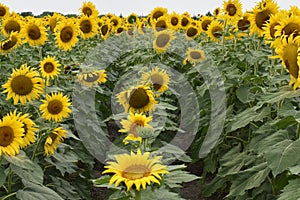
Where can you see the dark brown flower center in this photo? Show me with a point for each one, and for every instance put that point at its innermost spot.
(205, 24)
(195, 55)
(157, 14)
(132, 19)
(21, 85)
(104, 29)
(231, 9)
(184, 21)
(53, 137)
(291, 28)
(25, 130)
(34, 32)
(217, 31)
(162, 40)
(243, 24)
(290, 59)
(9, 43)
(191, 31)
(157, 81)
(160, 25)
(87, 11)
(12, 26)
(55, 107)
(115, 22)
(66, 34)
(2, 11)
(138, 98)
(273, 30)
(86, 26)
(6, 136)
(261, 18)
(48, 67)
(174, 21)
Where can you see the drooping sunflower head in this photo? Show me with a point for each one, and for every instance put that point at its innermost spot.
(29, 127)
(289, 53)
(157, 13)
(242, 25)
(53, 20)
(132, 124)
(271, 27)
(92, 78)
(11, 133)
(24, 85)
(162, 40)
(192, 31)
(205, 22)
(66, 32)
(288, 25)
(174, 20)
(11, 24)
(49, 67)
(132, 18)
(135, 169)
(261, 13)
(34, 32)
(195, 56)
(12, 42)
(55, 107)
(215, 31)
(4, 11)
(159, 79)
(55, 138)
(89, 9)
(232, 9)
(138, 99)
(88, 26)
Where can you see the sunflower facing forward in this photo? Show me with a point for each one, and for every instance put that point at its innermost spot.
(132, 124)
(55, 107)
(162, 40)
(138, 99)
(135, 169)
(195, 56)
(24, 85)
(159, 79)
(34, 32)
(49, 67)
(55, 138)
(4, 11)
(89, 9)
(12, 23)
(11, 133)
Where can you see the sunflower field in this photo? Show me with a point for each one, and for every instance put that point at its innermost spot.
(166, 106)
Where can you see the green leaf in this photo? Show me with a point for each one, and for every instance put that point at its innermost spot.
(159, 194)
(2, 176)
(242, 94)
(283, 155)
(283, 93)
(291, 191)
(34, 174)
(212, 187)
(177, 177)
(21, 160)
(103, 180)
(36, 191)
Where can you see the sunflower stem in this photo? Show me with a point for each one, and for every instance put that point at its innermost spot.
(298, 132)
(10, 173)
(36, 147)
(138, 195)
(8, 196)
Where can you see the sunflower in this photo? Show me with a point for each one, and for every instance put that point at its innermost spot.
(34, 32)
(92, 78)
(192, 31)
(261, 13)
(287, 26)
(105, 31)
(138, 99)
(215, 30)
(88, 26)
(157, 13)
(11, 24)
(11, 133)
(53, 20)
(159, 79)
(49, 67)
(55, 138)
(29, 127)
(66, 33)
(115, 22)
(132, 18)
(135, 169)
(217, 11)
(195, 56)
(185, 20)
(232, 10)
(89, 9)
(55, 107)
(10, 43)
(270, 29)
(289, 53)
(160, 24)
(174, 20)
(162, 40)
(132, 124)
(24, 85)
(4, 11)
(205, 22)
(242, 25)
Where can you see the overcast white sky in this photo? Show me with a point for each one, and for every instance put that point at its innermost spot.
(125, 7)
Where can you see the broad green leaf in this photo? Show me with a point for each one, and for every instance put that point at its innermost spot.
(291, 191)
(177, 177)
(159, 194)
(216, 184)
(283, 93)
(34, 174)
(242, 94)
(2, 176)
(283, 156)
(21, 160)
(36, 191)
(103, 180)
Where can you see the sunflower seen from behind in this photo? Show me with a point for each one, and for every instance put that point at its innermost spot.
(136, 169)
(34, 32)
(138, 99)
(49, 67)
(55, 107)
(29, 127)
(54, 138)
(66, 34)
(132, 124)
(11, 133)
(24, 85)
(158, 78)
(162, 40)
